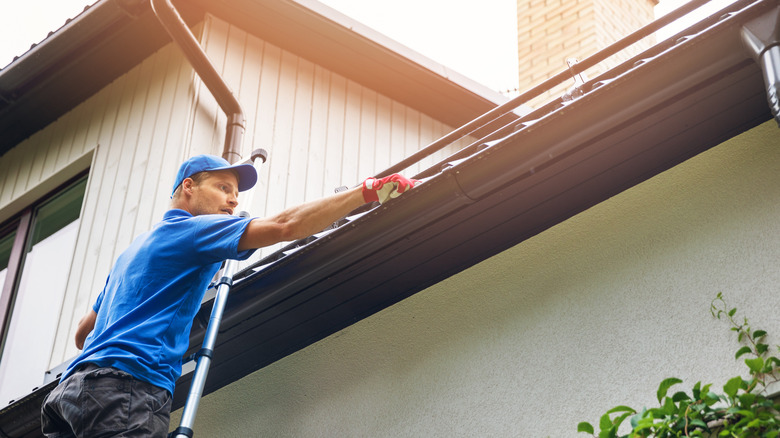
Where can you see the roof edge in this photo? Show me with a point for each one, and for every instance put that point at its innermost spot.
(61, 43)
(394, 46)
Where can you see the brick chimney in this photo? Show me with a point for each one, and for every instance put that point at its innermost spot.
(550, 31)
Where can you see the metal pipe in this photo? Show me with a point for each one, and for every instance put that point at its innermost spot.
(575, 69)
(762, 39)
(171, 20)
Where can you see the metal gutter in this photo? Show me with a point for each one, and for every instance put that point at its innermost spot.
(506, 108)
(236, 122)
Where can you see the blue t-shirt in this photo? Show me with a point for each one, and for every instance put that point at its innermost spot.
(154, 290)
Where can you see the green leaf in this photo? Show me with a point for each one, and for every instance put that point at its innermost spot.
(732, 386)
(746, 413)
(759, 334)
(698, 407)
(680, 396)
(635, 419)
(585, 427)
(741, 351)
(755, 364)
(664, 387)
(608, 433)
(762, 348)
(732, 311)
(619, 420)
(711, 398)
(605, 422)
(747, 399)
(621, 409)
(644, 422)
(699, 423)
(697, 390)
(656, 413)
(669, 407)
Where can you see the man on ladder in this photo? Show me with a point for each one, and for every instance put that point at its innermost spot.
(135, 335)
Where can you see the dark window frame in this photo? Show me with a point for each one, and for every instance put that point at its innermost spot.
(22, 222)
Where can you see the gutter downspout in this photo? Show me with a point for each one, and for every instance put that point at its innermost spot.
(762, 39)
(171, 20)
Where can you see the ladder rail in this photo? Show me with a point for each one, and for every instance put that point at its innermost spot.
(204, 355)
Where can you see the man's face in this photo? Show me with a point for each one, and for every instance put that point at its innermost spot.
(217, 193)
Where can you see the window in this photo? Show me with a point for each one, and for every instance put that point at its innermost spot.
(35, 259)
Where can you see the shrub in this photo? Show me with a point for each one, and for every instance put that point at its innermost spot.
(743, 409)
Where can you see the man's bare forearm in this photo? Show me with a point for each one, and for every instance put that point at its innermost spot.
(86, 324)
(300, 221)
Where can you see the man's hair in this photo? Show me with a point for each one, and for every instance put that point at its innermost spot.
(196, 178)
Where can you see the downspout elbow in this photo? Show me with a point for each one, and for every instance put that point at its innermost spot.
(762, 39)
(171, 20)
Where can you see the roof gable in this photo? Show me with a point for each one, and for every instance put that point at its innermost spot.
(111, 37)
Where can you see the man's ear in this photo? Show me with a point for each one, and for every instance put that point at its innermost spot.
(186, 185)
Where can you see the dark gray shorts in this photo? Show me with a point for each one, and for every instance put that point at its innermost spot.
(105, 402)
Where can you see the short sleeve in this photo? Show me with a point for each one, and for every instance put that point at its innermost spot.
(216, 237)
(99, 301)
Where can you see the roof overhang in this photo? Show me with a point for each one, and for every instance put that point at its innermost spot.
(82, 57)
(113, 36)
(654, 114)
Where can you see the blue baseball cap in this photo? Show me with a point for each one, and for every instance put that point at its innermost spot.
(247, 175)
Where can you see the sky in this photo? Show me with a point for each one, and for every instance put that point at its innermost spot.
(454, 33)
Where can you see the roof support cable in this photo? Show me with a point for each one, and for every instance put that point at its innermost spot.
(762, 39)
(171, 20)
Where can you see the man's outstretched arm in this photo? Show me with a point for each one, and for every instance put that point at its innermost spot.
(312, 217)
(300, 221)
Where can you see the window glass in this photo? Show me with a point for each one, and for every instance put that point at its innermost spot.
(29, 337)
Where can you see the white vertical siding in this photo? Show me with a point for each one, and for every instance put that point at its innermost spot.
(321, 129)
(35, 167)
(138, 126)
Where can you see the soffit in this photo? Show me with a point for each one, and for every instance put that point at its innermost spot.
(113, 36)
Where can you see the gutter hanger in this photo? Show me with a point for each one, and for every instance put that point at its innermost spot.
(171, 20)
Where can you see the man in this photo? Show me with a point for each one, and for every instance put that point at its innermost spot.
(135, 335)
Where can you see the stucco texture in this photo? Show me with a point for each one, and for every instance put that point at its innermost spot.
(590, 314)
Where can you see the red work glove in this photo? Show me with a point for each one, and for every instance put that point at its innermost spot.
(382, 189)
